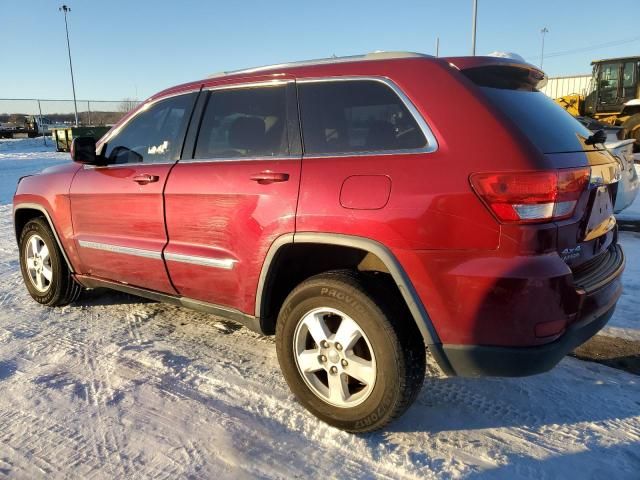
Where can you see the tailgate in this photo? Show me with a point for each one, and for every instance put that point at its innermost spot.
(595, 232)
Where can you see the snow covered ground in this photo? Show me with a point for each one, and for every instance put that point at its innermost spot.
(21, 157)
(118, 387)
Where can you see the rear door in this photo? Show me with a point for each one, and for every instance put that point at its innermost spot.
(227, 204)
(117, 209)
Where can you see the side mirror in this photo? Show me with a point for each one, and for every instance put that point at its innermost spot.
(83, 150)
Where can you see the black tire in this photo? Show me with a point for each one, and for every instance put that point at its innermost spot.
(399, 351)
(62, 289)
(631, 128)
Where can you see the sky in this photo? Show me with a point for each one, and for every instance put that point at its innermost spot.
(132, 49)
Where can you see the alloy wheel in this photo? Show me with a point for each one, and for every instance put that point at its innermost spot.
(334, 357)
(38, 263)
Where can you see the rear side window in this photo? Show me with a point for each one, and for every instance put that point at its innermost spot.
(154, 135)
(355, 116)
(248, 122)
(546, 123)
(543, 121)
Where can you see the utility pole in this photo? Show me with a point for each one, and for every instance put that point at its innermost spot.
(41, 126)
(474, 21)
(544, 31)
(66, 10)
(437, 46)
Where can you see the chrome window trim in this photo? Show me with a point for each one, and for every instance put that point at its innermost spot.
(238, 159)
(106, 247)
(129, 165)
(239, 86)
(432, 142)
(223, 263)
(143, 108)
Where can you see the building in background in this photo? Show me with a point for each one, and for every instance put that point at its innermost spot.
(560, 86)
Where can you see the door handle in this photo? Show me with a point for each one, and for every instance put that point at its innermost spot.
(145, 178)
(266, 177)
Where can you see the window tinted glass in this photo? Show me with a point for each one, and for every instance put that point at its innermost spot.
(248, 122)
(355, 116)
(546, 123)
(154, 135)
(609, 82)
(629, 81)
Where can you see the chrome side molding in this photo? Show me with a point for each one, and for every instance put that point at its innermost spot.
(224, 263)
(138, 252)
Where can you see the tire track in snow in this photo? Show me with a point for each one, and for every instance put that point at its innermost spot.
(175, 397)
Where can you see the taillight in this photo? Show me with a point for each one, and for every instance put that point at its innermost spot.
(531, 197)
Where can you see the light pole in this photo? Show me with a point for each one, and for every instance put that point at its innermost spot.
(65, 10)
(474, 21)
(544, 31)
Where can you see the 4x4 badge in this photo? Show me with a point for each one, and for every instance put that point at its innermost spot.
(571, 253)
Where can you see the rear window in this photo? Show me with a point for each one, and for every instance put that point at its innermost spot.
(543, 121)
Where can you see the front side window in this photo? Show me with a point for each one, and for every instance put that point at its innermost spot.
(247, 122)
(353, 116)
(152, 136)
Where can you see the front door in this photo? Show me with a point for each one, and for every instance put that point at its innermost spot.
(226, 205)
(117, 209)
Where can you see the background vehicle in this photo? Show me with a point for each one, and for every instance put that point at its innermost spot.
(31, 126)
(614, 96)
(317, 201)
(629, 183)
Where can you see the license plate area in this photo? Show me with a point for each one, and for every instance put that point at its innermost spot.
(601, 218)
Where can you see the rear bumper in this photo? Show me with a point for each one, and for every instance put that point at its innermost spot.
(597, 306)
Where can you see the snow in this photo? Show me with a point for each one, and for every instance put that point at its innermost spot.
(625, 322)
(19, 157)
(115, 386)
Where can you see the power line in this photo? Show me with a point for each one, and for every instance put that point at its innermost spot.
(613, 43)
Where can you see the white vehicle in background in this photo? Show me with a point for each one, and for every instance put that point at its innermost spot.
(629, 183)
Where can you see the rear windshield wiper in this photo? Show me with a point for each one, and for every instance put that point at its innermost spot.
(599, 136)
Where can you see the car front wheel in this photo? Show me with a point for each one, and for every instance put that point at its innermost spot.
(349, 354)
(43, 267)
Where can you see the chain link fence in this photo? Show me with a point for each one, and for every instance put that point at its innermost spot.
(13, 111)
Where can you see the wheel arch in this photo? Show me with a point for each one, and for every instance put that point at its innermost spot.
(374, 252)
(24, 212)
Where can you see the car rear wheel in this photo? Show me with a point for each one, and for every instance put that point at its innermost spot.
(43, 267)
(349, 356)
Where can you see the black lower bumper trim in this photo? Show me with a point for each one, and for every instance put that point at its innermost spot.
(482, 361)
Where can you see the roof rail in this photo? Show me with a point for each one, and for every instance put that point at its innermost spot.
(377, 55)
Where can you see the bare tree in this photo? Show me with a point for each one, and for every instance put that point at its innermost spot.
(127, 105)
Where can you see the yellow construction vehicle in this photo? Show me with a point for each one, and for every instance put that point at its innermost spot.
(613, 96)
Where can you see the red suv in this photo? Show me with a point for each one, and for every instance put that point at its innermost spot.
(360, 208)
